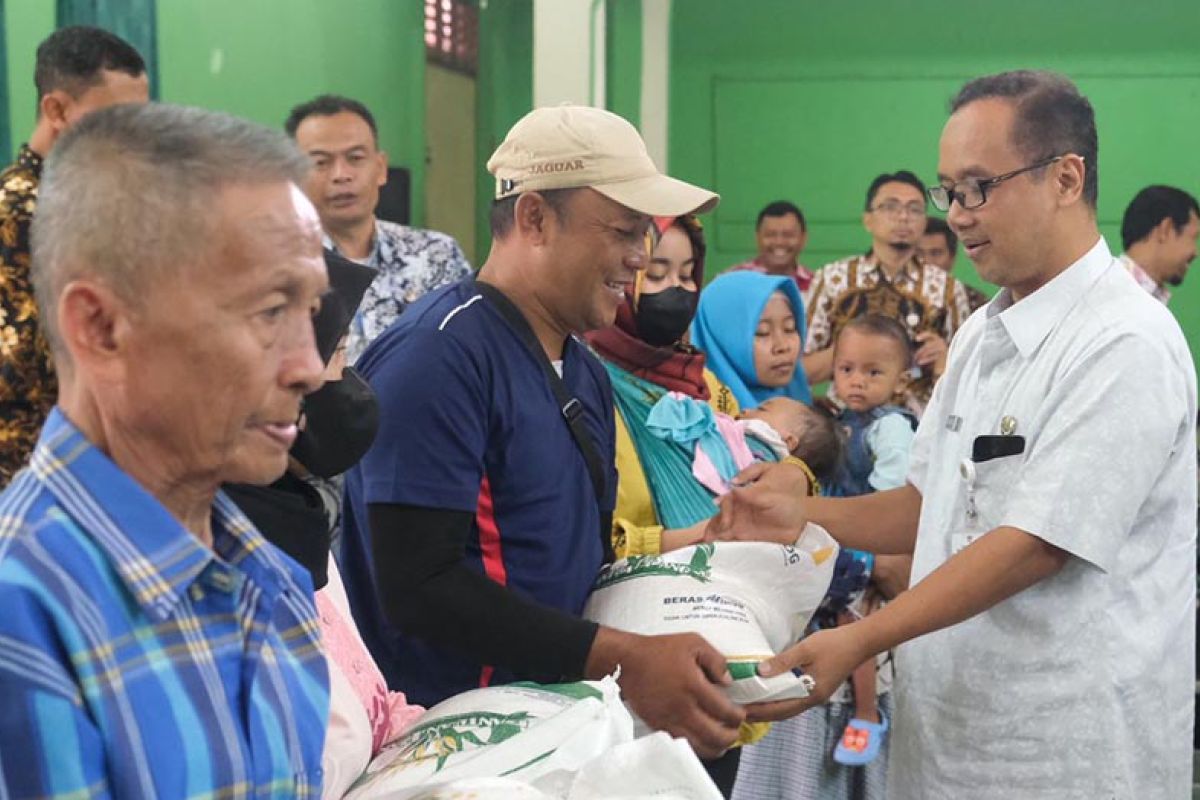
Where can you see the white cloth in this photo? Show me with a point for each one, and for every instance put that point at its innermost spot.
(767, 435)
(1081, 686)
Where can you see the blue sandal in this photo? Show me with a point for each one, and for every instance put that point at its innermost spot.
(861, 741)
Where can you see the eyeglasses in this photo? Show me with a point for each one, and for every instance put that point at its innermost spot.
(972, 192)
(894, 208)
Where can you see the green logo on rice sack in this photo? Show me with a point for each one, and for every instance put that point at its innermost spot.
(699, 568)
(448, 736)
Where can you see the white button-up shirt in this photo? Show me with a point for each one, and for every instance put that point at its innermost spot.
(1080, 686)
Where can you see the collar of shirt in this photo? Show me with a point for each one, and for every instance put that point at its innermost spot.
(372, 258)
(30, 160)
(1029, 321)
(802, 273)
(912, 269)
(1143, 278)
(156, 557)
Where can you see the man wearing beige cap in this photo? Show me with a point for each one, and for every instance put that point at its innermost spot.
(477, 523)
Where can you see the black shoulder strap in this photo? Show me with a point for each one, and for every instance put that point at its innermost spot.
(572, 409)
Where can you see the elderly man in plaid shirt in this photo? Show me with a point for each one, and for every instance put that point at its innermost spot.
(152, 643)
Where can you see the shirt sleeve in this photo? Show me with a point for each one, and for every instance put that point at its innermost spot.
(51, 747)
(889, 439)
(1109, 427)
(430, 447)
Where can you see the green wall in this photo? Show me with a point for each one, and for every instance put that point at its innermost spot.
(26, 23)
(808, 100)
(258, 58)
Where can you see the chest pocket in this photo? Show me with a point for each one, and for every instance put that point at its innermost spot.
(993, 485)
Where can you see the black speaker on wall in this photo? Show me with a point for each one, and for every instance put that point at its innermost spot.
(395, 202)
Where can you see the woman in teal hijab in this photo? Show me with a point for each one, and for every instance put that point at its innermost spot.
(750, 326)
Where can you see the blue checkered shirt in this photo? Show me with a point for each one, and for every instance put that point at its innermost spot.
(134, 661)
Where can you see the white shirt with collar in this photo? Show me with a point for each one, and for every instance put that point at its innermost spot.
(1082, 685)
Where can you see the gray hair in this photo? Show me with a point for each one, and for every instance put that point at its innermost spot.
(129, 196)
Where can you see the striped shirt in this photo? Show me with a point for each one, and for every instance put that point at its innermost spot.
(136, 662)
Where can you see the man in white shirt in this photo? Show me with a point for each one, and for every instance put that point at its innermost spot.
(1159, 233)
(1048, 639)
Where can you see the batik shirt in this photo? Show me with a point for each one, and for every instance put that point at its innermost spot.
(27, 382)
(411, 262)
(135, 661)
(920, 297)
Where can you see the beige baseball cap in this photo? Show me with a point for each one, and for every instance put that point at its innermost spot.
(567, 147)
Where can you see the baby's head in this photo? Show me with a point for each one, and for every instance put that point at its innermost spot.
(871, 359)
(809, 433)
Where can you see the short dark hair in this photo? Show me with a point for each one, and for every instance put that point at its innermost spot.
(938, 225)
(821, 443)
(879, 325)
(903, 176)
(326, 106)
(781, 208)
(1151, 206)
(72, 58)
(1052, 118)
(500, 218)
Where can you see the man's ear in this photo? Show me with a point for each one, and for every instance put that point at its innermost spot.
(1069, 177)
(383, 166)
(53, 108)
(532, 217)
(1164, 230)
(93, 323)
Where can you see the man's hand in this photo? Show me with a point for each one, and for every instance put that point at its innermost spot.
(673, 683)
(932, 352)
(766, 504)
(827, 656)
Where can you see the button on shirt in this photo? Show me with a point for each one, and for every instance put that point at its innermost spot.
(1080, 686)
(136, 662)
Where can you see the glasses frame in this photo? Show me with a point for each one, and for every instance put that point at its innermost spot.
(952, 193)
(901, 210)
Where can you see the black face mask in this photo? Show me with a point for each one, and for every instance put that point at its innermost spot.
(341, 419)
(663, 318)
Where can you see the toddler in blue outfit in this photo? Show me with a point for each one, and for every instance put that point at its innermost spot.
(871, 361)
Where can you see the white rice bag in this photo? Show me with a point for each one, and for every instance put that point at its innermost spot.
(523, 732)
(750, 600)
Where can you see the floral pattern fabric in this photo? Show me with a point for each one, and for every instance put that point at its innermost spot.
(28, 386)
(411, 262)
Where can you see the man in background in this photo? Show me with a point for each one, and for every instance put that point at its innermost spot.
(1159, 232)
(781, 234)
(78, 70)
(340, 136)
(939, 247)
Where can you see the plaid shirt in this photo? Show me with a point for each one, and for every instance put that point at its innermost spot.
(135, 662)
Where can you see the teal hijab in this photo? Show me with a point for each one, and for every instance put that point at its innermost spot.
(728, 314)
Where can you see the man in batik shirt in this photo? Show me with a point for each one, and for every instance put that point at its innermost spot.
(342, 139)
(892, 281)
(79, 69)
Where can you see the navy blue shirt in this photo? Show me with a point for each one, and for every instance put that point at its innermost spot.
(469, 423)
